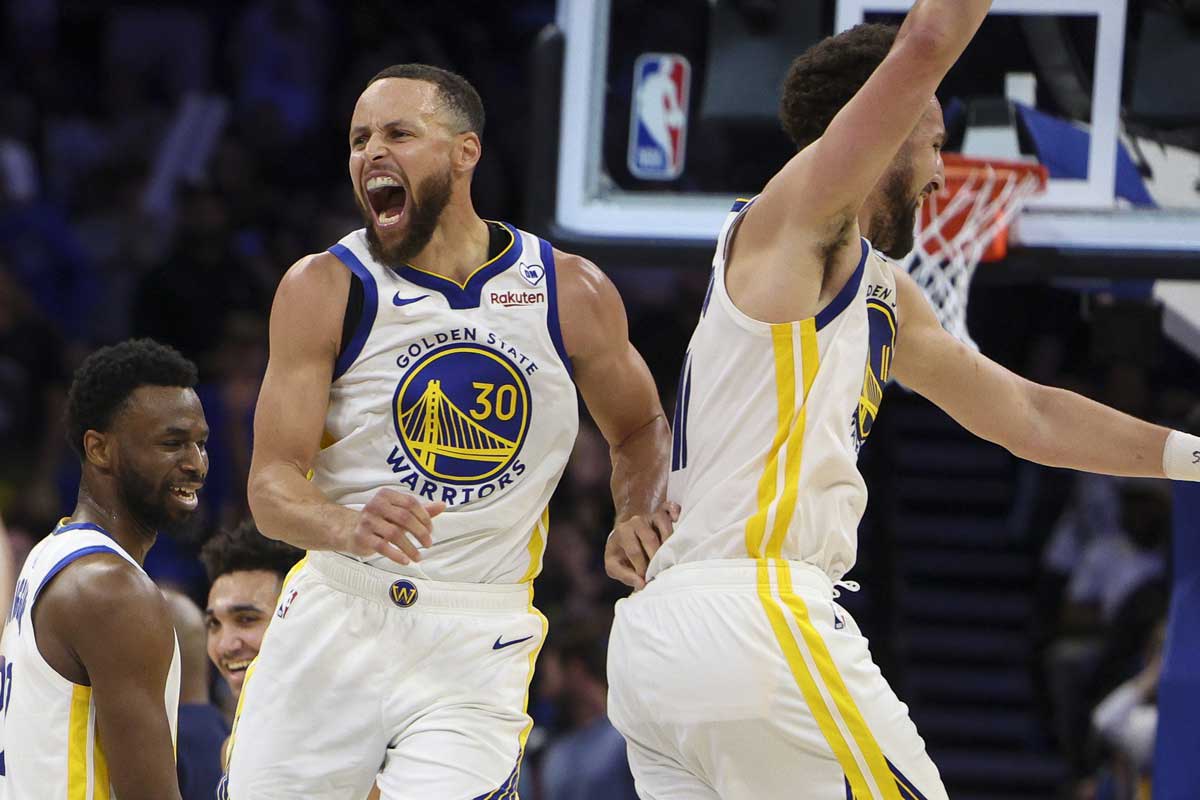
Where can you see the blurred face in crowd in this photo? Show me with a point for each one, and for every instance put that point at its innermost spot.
(240, 605)
(915, 173)
(406, 152)
(156, 450)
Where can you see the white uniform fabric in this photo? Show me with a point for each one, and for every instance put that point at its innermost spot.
(730, 679)
(734, 674)
(459, 393)
(779, 411)
(349, 683)
(47, 723)
(455, 393)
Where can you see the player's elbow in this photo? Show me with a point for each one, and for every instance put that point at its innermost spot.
(930, 42)
(1032, 438)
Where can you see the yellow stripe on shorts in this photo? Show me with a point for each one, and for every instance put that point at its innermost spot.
(827, 668)
(808, 686)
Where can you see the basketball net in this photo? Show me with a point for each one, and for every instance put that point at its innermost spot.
(966, 223)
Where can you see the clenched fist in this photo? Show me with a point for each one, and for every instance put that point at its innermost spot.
(390, 522)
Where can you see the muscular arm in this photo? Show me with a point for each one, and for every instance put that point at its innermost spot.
(616, 386)
(1038, 423)
(305, 334)
(110, 622)
(306, 330)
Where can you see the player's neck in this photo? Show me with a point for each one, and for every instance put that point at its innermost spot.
(99, 506)
(458, 246)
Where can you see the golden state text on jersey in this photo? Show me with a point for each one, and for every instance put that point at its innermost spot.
(459, 393)
(461, 413)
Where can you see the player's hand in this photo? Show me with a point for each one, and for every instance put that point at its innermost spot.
(634, 542)
(390, 522)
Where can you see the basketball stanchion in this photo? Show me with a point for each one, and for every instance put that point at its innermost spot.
(964, 224)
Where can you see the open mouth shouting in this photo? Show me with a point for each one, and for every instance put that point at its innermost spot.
(388, 199)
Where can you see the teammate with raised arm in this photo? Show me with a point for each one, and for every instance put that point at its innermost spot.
(425, 371)
(89, 662)
(734, 674)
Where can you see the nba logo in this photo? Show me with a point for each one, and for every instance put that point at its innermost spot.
(658, 123)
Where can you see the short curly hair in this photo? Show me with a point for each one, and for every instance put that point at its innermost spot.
(823, 79)
(245, 549)
(456, 91)
(106, 379)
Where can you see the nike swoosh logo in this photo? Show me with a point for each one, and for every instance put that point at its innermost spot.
(403, 301)
(499, 645)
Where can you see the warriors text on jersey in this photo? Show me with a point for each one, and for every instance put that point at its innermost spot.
(48, 744)
(459, 393)
(769, 422)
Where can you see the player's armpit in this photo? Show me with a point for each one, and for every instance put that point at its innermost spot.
(305, 336)
(616, 385)
(116, 622)
(1038, 423)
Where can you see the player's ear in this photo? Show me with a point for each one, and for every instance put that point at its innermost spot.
(97, 449)
(467, 151)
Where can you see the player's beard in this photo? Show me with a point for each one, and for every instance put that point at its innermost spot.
(892, 226)
(425, 207)
(148, 504)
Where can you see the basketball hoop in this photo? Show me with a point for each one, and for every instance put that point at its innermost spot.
(966, 223)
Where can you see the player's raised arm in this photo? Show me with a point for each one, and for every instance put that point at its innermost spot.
(111, 620)
(823, 187)
(1038, 423)
(621, 396)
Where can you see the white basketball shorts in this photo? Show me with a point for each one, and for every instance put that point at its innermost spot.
(740, 678)
(364, 673)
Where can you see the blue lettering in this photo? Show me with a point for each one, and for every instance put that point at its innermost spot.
(487, 490)
(396, 459)
(532, 368)
(410, 480)
(448, 495)
(467, 495)
(470, 334)
(456, 334)
(518, 468)
(505, 480)
(491, 338)
(427, 490)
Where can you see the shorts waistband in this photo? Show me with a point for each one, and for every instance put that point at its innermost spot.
(739, 572)
(404, 591)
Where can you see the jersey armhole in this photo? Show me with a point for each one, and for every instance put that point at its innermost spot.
(552, 317)
(351, 349)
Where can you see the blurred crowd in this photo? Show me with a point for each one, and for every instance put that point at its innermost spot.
(162, 164)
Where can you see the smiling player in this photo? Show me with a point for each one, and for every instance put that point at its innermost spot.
(90, 663)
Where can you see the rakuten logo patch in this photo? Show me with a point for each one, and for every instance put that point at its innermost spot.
(511, 299)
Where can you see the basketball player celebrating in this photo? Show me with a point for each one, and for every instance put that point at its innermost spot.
(425, 370)
(90, 662)
(734, 674)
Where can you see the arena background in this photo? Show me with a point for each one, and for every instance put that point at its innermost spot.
(162, 164)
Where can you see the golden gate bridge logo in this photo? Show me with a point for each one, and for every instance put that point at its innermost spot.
(462, 413)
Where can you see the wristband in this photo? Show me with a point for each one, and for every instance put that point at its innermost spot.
(1181, 457)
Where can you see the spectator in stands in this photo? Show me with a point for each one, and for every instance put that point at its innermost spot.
(1126, 721)
(33, 392)
(202, 727)
(588, 762)
(247, 571)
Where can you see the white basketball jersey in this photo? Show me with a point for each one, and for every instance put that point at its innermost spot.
(460, 393)
(770, 419)
(48, 744)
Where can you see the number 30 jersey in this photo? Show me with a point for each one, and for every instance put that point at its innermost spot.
(459, 393)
